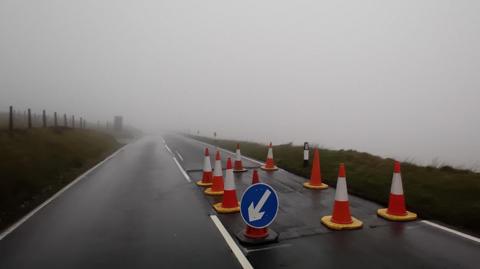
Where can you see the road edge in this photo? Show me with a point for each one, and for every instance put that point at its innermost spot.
(30, 214)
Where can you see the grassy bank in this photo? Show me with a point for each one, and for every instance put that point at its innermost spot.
(36, 163)
(446, 194)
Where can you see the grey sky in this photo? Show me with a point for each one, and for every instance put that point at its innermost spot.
(395, 78)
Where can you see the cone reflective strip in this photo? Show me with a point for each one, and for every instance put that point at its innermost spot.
(217, 174)
(396, 202)
(270, 152)
(238, 156)
(207, 168)
(229, 194)
(397, 187)
(341, 193)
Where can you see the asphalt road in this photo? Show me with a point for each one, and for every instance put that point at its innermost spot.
(135, 211)
(139, 210)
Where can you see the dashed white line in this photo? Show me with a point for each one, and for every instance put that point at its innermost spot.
(49, 200)
(179, 155)
(181, 170)
(169, 150)
(473, 238)
(235, 249)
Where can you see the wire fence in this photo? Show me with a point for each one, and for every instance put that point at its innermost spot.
(16, 119)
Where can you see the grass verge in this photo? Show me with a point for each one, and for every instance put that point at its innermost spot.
(36, 163)
(446, 194)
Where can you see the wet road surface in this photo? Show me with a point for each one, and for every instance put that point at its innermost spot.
(135, 211)
(139, 210)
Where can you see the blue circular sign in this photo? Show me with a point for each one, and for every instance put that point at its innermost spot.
(259, 205)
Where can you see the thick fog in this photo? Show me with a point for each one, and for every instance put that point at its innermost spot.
(394, 78)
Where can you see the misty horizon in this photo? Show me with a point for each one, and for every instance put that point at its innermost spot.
(398, 80)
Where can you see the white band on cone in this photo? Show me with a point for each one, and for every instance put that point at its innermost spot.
(305, 155)
(270, 153)
(397, 187)
(341, 193)
(229, 181)
(238, 156)
(218, 169)
(207, 166)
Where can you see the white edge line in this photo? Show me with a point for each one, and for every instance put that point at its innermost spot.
(473, 238)
(57, 194)
(180, 156)
(169, 150)
(181, 170)
(233, 246)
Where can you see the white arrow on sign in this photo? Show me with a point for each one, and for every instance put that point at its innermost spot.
(254, 211)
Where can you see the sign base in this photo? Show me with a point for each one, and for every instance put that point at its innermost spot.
(272, 237)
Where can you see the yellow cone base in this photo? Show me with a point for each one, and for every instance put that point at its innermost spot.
(327, 221)
(220, 209)
(409, 217)
(240, 171)
(315, 187)
(209, 191)
(204, 184)
(263, 167)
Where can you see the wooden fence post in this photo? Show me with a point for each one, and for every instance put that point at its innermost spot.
(10, 119)
(44, 119)
(29, 119)
(55, 122)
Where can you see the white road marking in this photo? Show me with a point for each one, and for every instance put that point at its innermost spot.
(179, 155)
(169, 150)
(57, 194)
(473, 238)
(163, 140)
(233, 246)
(181, 170)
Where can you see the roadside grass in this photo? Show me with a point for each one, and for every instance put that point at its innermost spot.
(36, 163)
(446, 194)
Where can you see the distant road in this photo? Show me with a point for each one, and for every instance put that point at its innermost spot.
(141, 209)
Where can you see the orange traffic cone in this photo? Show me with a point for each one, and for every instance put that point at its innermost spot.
(396, 210)
(238, 166)
(315, 176)
(230, 203)
(270, 163)
(255, 178)
(207, 171)
(217, 180)
(341, 218)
